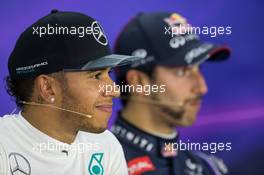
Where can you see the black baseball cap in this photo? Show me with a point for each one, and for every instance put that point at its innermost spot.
(69, 41)
(149, 35)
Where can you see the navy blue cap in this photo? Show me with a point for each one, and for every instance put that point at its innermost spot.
(69, 41)
(146, 36)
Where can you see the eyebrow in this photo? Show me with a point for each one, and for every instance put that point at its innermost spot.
(91, 72)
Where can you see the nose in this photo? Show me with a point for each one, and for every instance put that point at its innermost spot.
(200, 84)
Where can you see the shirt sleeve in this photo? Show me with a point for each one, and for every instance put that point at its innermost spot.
(3, 161)
(120, 165)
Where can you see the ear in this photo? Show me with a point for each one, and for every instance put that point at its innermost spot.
(46, 88)
(135, 77)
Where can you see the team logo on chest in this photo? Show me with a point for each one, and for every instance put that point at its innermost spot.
(95, 166)
(19, 164)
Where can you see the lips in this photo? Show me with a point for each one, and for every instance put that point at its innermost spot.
(195, 102)
(105, 107)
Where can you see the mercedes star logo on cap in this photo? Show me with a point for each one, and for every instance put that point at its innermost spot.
(99, 36)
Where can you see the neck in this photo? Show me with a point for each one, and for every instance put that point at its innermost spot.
(51, 123)
(142, 116)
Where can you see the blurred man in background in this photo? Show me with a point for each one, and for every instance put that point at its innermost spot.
(171, 66)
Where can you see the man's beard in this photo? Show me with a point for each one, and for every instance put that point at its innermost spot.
(82, 123)
(177, 113)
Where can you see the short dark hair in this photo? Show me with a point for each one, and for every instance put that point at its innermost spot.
(19, 89)
(22, 89)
